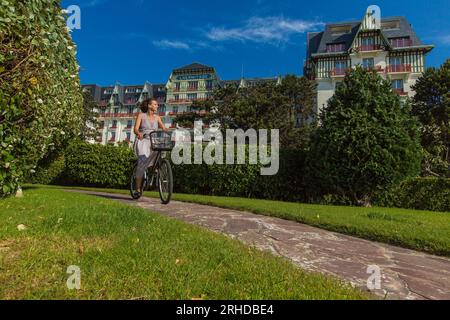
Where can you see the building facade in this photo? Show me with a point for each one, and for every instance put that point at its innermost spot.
(389, 46)
(118, 105)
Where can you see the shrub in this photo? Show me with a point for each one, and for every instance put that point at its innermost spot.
(40, 94)
(367, 141)
(245, 180)
(419, 193)
(49, 172)
(96, 165)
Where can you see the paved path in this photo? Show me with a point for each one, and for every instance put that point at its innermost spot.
(406, 274)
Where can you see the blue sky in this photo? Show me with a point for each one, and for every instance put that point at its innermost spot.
(135, 41)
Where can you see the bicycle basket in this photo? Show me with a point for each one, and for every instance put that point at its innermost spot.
(161, 141)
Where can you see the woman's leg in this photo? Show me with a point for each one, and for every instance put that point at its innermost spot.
(140, 171)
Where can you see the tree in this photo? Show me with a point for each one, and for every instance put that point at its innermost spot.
(261, 106)
(367, 140)
(40, 93)
(431, 105)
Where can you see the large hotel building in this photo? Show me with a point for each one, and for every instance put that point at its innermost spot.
(118, 105)
(389, 46)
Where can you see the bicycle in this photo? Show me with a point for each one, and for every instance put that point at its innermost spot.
(160, 142)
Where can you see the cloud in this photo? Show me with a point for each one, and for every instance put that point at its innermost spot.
(170, 44)
(271, 30)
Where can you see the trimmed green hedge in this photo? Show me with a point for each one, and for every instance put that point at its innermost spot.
(50, 172)
(420, 193)
(245, 180)
(97, 165)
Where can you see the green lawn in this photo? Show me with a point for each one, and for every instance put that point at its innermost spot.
(130, 253)
(419, 230)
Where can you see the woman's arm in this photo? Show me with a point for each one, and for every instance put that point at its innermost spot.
(161, 125)
(137, 126)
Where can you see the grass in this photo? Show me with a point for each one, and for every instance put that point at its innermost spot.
(130, 253)
(424, 231)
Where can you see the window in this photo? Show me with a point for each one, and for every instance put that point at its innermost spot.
(128, 136)
(175, 109)
(396, 61)
(177, 86)
(209, 84)
(130, 110)
(192, 96)
(113, 136)
(400, 42)
(336, 47)
(397, 85)
(193, 85)
(116, 111)
(108, 91)
(114, 124)
(340, 65)
(367, 41)
(129, 123)
(177, 97)
(368, 63)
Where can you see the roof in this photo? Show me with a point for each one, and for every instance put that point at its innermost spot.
(317, 41)
(193, 67)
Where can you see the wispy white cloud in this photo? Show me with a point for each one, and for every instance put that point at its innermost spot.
(271, 30)
(170, 44)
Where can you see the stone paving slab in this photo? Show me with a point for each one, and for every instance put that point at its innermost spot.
(405, 274)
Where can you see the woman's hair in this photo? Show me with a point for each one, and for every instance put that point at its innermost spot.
(144, 104)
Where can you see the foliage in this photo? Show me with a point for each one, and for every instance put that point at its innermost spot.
(367, 140)
(98, 165)
(89, 131)
(264, 105)
(245, 180)
(49, 171)
(431, 105)
(40, 94)
(419, 193)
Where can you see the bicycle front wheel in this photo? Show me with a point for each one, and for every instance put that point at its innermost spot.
(165, 181)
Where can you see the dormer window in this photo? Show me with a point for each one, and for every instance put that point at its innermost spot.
(336, 47)
(400, 42)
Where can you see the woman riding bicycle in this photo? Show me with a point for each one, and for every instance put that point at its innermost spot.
(146, 122)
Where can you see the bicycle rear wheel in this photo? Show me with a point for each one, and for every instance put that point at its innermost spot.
(165, 181)
(133, 188)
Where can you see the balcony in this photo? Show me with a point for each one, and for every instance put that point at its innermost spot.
(192, 88)
(369, 47)
(400, 92)
(399, 68)
(338, 72)
(374, 68)
(161, 114)
(173, 113)
(118, 115)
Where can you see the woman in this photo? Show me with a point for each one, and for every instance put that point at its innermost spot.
(146, 122)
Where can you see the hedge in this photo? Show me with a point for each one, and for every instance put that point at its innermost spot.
(245, 180)
(40, 92)
(419, 193)
(97, 165)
